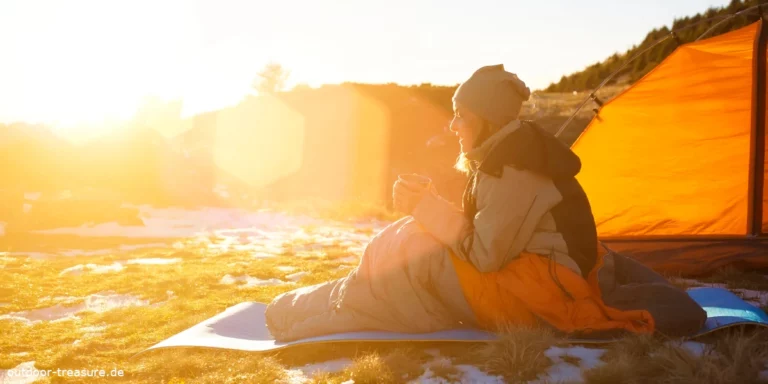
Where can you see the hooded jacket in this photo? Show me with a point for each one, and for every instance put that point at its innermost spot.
(521, 196)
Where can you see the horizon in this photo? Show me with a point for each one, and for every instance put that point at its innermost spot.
(58, 72)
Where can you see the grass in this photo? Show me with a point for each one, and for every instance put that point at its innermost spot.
(181, 295)
(735, 358)
(517, 357)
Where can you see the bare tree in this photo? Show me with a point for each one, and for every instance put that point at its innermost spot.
(271, 79)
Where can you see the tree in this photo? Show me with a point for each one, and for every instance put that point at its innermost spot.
(271, 79)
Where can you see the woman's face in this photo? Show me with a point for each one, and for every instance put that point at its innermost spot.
(465, 125)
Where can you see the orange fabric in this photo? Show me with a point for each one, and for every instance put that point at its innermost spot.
(764, 228)
(524, 291)
(670, 155)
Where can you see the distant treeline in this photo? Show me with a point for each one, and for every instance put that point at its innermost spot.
(686, 30)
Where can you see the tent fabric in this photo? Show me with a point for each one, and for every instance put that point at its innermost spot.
(764, 228)
(670, 156)
(695, 258)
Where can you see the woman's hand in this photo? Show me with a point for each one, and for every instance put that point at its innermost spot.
(406, 195)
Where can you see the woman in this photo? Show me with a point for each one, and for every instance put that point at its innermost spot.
(523, 250)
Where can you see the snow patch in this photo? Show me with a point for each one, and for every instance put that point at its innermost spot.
(33, 255)
(296, 276)
(97, 302)
(155, 261)
(285, 268)
(178, 222)
(695, 348)
(80, 252)
(763, 375)
(465, 374)
(563, 371)
(78, 270)
(32, 195)
(756, 298)
(295, 376)
(16, 377)
(317, 254)
(93, 331)
(349, 260)
(332, 366)
(91, 252)
(133, 247)
(249, 281)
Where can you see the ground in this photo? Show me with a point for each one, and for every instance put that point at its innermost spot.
(91, 302)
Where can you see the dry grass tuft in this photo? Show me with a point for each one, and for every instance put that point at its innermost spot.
(370, 369)
(518, 356)
(736, 358)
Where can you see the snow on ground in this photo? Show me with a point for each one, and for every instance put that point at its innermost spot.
(695, 348)
(300, 242)
(465, 373)
(562, 370)
(93, 331)
(33, 255)
(757, 298)
(763, 375)
(58, 300)
(179, 222)
(90, 252)
(133, 247)
(296, 276)
(154, 261)
(32, 195)
(97, 302)
(285, 268)
(78, 270)
(21, 374)
(249, 281)
(305, 373)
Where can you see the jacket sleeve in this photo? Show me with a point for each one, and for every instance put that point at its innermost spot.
(505, 220)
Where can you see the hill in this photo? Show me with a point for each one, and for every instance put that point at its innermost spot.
(686, 29)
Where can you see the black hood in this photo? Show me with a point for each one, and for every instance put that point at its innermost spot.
(532, 148)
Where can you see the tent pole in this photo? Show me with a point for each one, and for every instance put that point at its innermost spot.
(757, 147)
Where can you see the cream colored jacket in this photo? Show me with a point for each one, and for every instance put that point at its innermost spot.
(513, 215)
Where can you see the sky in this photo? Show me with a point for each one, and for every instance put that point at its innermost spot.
(69, 63)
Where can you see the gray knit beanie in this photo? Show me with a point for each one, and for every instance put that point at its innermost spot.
(493, 94)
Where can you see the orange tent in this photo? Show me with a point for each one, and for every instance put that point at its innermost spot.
(674, 166)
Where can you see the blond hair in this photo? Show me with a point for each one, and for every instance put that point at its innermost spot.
(463, 164)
